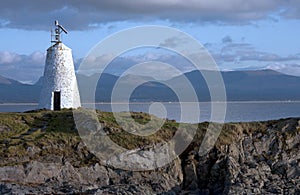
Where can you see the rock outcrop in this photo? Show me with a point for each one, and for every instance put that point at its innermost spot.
(248, 158)
(259, 161)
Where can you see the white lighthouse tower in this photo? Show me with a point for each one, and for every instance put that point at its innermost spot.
(60, 88)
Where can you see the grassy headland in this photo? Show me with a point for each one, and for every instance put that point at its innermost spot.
(37, 130)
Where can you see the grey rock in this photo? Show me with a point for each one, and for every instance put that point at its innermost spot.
(262, 162)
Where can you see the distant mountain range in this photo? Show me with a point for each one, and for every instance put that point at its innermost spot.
(259, 85)
(12, 91)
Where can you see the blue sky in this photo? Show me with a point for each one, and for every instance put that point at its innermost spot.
(240, 34)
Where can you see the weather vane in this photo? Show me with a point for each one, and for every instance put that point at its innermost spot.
(58, 30)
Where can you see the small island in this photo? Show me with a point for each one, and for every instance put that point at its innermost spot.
(42, 153)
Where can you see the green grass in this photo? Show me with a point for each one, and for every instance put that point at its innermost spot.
(54, 133)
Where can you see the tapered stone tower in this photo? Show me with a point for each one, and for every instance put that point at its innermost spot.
(60, 88)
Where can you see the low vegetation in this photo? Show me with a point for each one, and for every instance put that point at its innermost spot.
(28, 136)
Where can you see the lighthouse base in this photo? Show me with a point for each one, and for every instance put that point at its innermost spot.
(59, 83)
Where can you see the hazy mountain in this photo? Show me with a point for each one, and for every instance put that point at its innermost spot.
(6, 81)
(239, 85)
(261, 85)
(250, 85)
(15, 92)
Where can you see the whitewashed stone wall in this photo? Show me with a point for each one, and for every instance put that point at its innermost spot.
(59, 75)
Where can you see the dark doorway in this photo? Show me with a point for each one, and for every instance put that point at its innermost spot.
(56, 100)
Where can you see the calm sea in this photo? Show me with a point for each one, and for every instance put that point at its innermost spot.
(235, 112)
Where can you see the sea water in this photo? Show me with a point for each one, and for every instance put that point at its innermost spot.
(235, 111)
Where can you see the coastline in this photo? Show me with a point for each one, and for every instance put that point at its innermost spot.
(236, 111)
(42, 153)
(88, 103)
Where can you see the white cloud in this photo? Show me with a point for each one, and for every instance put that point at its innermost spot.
(229, 55)
(128, 60)
(37, 58)
(154, 69)
(230, 51)
(290, 69)
(9, 57)
(24, 68)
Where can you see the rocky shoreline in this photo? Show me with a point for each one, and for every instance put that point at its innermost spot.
(41, 153)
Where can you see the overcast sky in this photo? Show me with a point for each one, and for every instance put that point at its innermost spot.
(240, 34)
